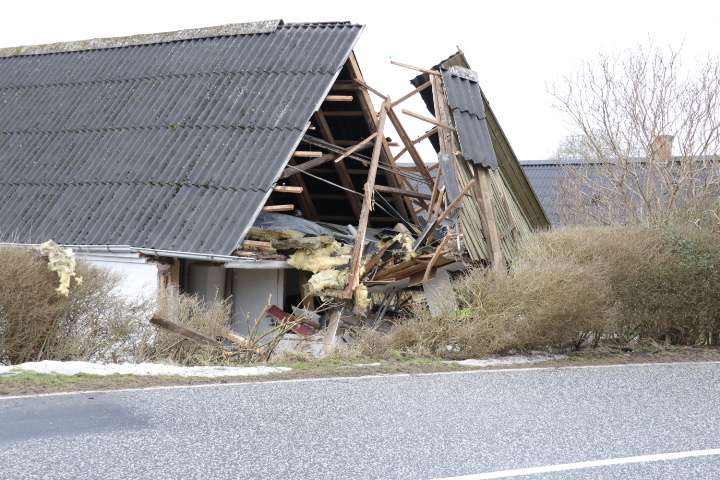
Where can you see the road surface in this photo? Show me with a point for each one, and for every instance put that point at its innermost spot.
(624, 422)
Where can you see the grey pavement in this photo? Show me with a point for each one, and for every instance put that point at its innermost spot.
(396, 427)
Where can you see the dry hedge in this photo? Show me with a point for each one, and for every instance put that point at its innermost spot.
(37, 323)
(95, 322)
(577, 285)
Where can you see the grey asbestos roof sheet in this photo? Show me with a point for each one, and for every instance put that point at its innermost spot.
(173, 144)
(466, 103)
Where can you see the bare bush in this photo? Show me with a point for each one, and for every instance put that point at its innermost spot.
(37, 323)
(648, 137)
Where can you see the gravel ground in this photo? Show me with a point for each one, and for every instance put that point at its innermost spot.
(405, 427)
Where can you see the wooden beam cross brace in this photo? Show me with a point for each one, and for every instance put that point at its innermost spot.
(417, 69)
(339, 98)
(356, 147)
(410, 94)
(427, 119)
(402, 133)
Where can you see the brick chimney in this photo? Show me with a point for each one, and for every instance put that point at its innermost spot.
(661, 149)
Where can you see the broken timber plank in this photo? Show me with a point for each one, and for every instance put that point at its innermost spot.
(307, 154)
(436, 256)
(356, 147)
(354, 276)
(184, 332)
(287, 189)
(432, 225)
(400, 191)
(402, 133)
(258, 245)
(429, 120)
(456, 202)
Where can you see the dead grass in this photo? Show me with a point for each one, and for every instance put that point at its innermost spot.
(568, 286)
(211, 318)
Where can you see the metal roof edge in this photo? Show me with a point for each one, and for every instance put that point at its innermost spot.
(232, 29)
(154, 252)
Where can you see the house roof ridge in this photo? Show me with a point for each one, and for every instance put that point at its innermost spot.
(230, 29)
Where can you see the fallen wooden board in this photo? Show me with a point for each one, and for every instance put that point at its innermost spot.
(184, 332)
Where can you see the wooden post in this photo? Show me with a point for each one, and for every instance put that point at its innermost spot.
(331, 332)
(354, 277)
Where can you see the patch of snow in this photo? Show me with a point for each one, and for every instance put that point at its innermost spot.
(509, 360)
(143, 369)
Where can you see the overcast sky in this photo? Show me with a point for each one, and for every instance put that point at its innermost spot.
(517, 48)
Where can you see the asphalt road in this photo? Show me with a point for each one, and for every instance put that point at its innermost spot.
(404, 427)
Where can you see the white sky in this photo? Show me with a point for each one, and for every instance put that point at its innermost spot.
(518, 48)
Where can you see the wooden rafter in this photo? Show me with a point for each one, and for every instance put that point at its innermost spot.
(419, 139)
(339, 98)
(370, 89)
(340, 168)
(417, 69)
(402, 133)
(287, 189)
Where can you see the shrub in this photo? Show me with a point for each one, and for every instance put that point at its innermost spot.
(37, 323)
(573, 284)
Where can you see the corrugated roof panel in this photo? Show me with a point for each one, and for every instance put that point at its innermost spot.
(169, 145)
(466, 103)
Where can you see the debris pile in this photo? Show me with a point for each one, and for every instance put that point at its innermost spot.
(363, 255)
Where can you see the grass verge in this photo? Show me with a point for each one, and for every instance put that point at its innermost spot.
(28, 383)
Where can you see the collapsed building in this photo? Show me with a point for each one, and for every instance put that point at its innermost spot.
(249, 162)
